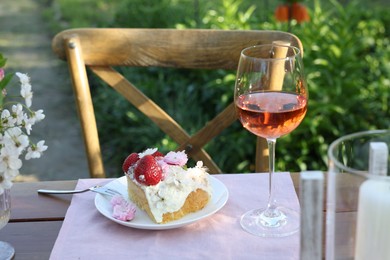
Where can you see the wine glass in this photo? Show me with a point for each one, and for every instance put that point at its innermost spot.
(6, 250)
(271, 100)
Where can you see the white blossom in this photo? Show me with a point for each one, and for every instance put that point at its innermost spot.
(6, 119)
(36, 151)
(24, 78)
(25, 90)
(18, 114)
(4, 184)
(16, 125)
(5, 113)
(38, 115)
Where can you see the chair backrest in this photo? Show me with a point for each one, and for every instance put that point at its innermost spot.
(101, 49)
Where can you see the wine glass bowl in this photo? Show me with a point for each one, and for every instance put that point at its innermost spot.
(271, 100)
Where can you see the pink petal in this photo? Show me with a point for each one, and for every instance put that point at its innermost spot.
(176, 158)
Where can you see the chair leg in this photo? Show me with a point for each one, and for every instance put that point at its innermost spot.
(262, 155)
(85, 107)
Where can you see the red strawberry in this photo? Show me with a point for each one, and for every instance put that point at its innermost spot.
(147, 171)
(130, 161)
(158, 154)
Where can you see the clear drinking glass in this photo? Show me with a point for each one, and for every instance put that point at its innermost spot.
(271, 98)
(358, 197)
(6, 250)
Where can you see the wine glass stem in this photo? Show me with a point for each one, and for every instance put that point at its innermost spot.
(271, 149)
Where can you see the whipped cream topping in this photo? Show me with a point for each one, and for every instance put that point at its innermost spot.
(170, 194)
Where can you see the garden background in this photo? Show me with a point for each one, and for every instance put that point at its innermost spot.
(346, 57)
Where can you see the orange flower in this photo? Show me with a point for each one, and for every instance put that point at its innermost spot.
(286, 12)
(299, 13)
(281, 13)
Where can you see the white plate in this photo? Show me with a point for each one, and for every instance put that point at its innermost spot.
(142, 221)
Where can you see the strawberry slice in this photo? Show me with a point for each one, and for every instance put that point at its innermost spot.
(130, 161)
(147, 171)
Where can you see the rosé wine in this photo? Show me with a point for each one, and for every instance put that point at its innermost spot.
(271, 114)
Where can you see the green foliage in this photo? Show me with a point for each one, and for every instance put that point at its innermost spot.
(63, 14)
(3, 61)
(347, 65)
(229, 16)
(4, 78)
(155, 14)
(347, 62)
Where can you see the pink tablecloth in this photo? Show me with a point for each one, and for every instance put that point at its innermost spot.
(86, 234)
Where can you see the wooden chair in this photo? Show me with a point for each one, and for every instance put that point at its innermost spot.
(102, 49)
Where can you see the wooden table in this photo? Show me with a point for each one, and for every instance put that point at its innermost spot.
(36, 219)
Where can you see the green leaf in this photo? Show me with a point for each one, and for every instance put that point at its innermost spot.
(3, 61)
(322, 62)
(4, 82)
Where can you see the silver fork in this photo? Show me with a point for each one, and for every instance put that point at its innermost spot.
(98, 189)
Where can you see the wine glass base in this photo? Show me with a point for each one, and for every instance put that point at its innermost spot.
(7, 252)
(284, 223)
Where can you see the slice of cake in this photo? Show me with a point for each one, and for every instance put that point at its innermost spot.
(164, 187)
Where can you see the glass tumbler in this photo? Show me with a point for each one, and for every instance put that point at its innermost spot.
(358, 197)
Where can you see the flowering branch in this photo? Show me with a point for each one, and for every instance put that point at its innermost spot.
(16, 122)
